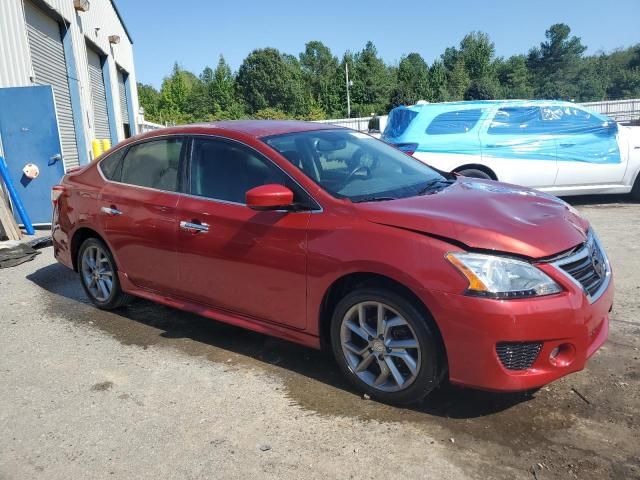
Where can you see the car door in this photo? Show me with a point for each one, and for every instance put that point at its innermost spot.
(516, 147)
(231, 257)
(138, 211)
(589, 150)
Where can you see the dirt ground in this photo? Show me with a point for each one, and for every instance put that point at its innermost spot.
(151, 392)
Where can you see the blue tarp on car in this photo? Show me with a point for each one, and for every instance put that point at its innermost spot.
(528, 129)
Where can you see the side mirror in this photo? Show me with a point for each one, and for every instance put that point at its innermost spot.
(269, 197)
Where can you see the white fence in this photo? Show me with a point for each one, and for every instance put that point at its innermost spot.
(360, 123)
(146, 126)
(619, 110)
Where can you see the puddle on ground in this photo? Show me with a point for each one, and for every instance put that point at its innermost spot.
(520, 422)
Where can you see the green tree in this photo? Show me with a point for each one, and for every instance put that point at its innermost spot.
(514, 77)
(149, 99)
(372, 82)
(269, 79)
(437, 82)
(477, 51)
(458, 80)
(483, 88)
(270, 114)
(626, 84)
(412, 82)
(555, 63)
(223, 92)
(322, 74)
(175, 95)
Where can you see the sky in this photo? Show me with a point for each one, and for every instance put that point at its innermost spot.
(195, 32)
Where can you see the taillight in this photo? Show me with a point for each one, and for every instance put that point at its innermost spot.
(56, 192)
(408, 148)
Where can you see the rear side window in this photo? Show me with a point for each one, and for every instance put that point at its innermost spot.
(572, 121)
(516, 121)
(110, 166)
(223, 170)
(153, 164)
(460, 121)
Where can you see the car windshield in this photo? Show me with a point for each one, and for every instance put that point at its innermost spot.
(350, 164)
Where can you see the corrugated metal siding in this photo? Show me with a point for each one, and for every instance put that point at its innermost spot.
(122, 91)
(49, 68)
(98, 96)
(94, 27)
(15, 70)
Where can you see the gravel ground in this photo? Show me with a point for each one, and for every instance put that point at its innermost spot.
(151, 392)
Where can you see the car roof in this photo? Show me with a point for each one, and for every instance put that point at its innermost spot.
(254, 128)
(470, 104)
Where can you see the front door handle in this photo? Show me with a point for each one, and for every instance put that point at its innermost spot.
(194, 227)
(567, 144)
(112, 212)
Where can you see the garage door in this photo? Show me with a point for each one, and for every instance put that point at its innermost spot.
(49, 68)
(124, 106)
(98, 95)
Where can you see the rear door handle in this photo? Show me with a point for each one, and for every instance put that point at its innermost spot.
(113, 212)
(567, 144)
(194, 227)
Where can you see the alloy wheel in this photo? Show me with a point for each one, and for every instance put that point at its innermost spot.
(380, 347)
(97, 273)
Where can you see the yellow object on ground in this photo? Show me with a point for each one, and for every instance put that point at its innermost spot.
(99, 146)
(96, 147)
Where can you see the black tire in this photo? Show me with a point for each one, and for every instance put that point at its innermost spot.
(474, 173)
(116, 297)
(635, 191)
(431, 367)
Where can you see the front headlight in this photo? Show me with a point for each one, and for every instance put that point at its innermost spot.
(502, 277)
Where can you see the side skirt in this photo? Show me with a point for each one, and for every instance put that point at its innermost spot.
(265, 328)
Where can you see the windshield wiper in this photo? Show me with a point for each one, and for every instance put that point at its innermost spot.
(374, 199)
(433, 186)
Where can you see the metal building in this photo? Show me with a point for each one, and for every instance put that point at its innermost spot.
(79, 53)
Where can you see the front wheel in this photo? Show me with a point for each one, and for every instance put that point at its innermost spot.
(99, 275)
(386, 346)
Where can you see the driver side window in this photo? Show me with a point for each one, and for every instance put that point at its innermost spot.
(224, 170)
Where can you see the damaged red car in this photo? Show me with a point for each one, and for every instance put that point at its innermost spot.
(330, 238)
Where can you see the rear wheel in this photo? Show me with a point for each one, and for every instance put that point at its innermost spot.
(474, 173)
(99, 275)
(385, 346)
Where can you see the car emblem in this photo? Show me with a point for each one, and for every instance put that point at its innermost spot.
(378, 346)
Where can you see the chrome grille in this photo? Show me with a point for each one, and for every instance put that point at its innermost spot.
(588, 267)
(518, 355)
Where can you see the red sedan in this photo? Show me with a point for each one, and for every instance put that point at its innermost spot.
(327, 237)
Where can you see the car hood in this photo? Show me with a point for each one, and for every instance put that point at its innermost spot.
(487, 215)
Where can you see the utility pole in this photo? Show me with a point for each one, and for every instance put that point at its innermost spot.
(346, 71)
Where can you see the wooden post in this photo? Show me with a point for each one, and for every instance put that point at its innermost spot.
(8, 223)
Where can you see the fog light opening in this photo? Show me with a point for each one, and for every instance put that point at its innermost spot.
(562, 355)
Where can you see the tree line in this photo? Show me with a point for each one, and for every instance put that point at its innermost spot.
(312, 86)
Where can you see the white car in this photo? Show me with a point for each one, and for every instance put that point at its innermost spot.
(557, 147)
